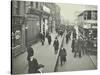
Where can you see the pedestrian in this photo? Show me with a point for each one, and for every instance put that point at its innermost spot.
(83, 46)
(41, 36)
(33, 66)
(80, 44)
(62, 55)
(56, 45)
(74, 34)
(66, 38)
(72, 46)
(49, 38)
(61, 33)
(89, 46)
(30, 52)
(47, 33)
(69, 34)
(77, 47)
(43, 39)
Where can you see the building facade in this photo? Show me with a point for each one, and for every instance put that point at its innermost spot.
(33, 21)
(88, 20)
(29, 19)
(54, 18)
(17, 27)
(87, 26)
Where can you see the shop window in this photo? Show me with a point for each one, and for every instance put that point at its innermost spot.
(16, 36)
(85, 15)
(37, 4)
(89, 15)
(31, 4)
(18, 8)
(94, 15)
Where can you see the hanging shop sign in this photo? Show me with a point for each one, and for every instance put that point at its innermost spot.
(32, 17)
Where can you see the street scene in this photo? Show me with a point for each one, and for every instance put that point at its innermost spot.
(52, 37)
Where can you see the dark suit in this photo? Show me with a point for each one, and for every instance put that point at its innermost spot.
(33, 66)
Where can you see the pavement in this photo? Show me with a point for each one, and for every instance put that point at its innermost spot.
(76, 64)
(94, 59)
(44, 54)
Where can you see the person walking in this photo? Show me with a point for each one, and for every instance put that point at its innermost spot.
(56, 45)
(72, 46)
(49, 38)
(80, 45)
(33, 66)
(62, 55)
(42, 39)
(77, 47)
(30, 52)
(66, 38)
(74, 34)
(69, 35)
(83, 46)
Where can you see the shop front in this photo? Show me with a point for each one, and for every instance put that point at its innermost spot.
(89, 32)
(45, 19)
(33, 29)
(17, 35)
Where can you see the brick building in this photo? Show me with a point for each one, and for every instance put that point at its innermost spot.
(29, 19)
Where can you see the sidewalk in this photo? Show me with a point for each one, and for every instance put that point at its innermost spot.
(44, 54)
(94, 59)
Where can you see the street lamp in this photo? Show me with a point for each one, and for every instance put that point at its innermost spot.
(26, 28)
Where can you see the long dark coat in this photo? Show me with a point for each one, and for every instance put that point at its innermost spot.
(33, 66)
(30, 53)
(56, 44)
(63, 54)
(77, 47)
(74, 34)
(49, 39)
(72, 46)
(66, 38)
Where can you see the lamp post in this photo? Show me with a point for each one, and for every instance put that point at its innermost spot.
(26, 28)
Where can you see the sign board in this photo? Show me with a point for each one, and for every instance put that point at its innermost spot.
(46, 9)
(87, 26)
(17, 20)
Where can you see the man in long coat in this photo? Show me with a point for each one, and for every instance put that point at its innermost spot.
(77, 48)
(72, 46)
(56, 45)
(49, 39)
(30, 52)
(42, 39)
(62, 55)
(66, 38)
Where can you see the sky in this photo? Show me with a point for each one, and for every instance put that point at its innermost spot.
(70, 11)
